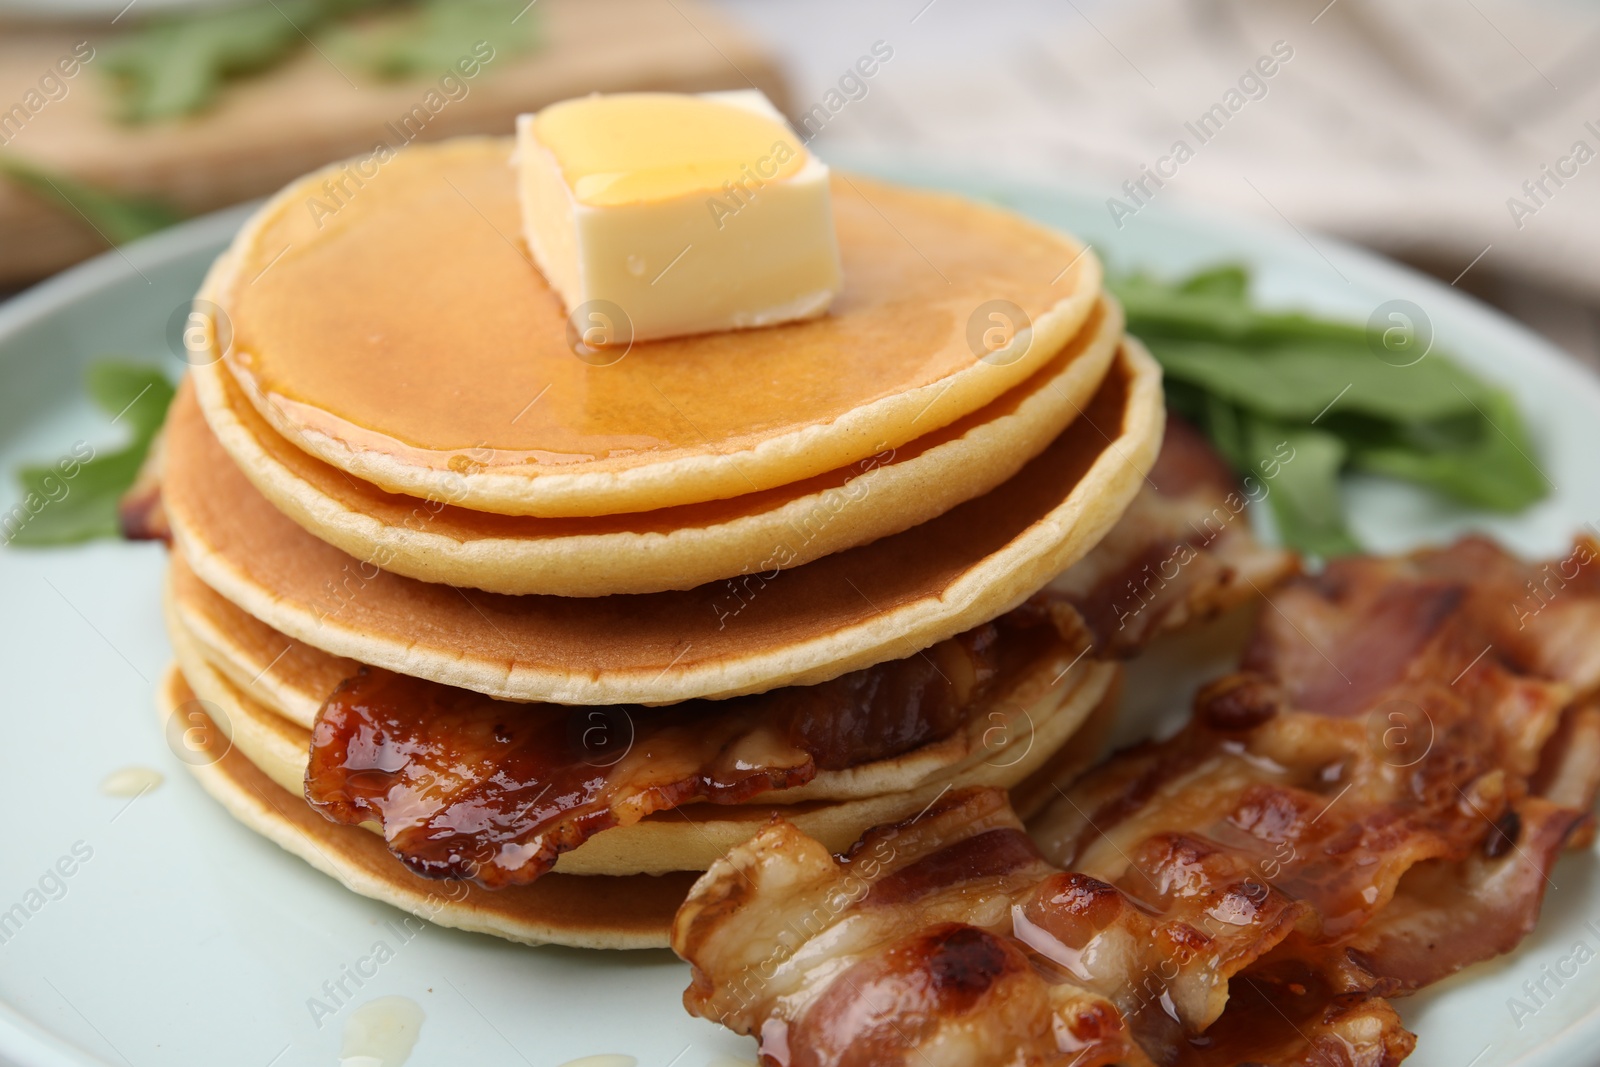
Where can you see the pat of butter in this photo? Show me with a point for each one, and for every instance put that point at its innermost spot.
(689, 213)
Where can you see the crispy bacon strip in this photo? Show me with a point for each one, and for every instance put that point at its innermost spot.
(1380, 759)
(1182, 553)
(896, 952)
(947, 939)
(466, 786)
(1569, 771)
(469, 787)
(1385, 770)
(140, 513)
(1445, 916)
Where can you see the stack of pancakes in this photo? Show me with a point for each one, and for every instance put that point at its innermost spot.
(689, 583)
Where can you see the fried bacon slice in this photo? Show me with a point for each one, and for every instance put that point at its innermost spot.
(465, 786)
(898, 951)
(1374, 801)
(948, 939)
(1182, 553)
(140, 514)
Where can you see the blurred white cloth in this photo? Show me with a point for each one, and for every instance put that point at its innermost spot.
(1406, 125)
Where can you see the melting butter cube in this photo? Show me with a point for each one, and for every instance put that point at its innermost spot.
(689, 213)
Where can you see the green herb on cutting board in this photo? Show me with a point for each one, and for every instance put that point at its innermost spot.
(1253, 379)
(118, 219)
(75, 498)
(434, 35)
(176, 64)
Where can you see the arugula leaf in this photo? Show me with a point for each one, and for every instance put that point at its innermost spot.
(75, 499)
(1212, 313)
(119, 219)
(175, 65)
(1228, 431)
(1494, 471)
(1300, 381)
(437, 33)
(1305, 496)
(1260, 381)
(1294, 469)
(1228, 281)
(137, 392)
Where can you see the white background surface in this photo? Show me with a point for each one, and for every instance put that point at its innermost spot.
(1404, 125)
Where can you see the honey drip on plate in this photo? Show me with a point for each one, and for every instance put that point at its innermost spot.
(130, 781)
(381, 1033)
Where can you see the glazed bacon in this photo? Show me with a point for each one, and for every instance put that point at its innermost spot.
(465, 786)
(1374, 802)
(948, 939)
(1182, 553)
(140, 514)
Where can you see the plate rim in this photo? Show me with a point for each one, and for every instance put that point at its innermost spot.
(27, 1043)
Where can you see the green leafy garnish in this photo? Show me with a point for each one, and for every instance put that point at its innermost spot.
(175, 65)
(1305, 499)
(1297, 381)
(437, 34)
(75, 499)
(119, 219)
(1265, 384)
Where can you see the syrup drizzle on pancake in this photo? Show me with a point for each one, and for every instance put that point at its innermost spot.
(405, 340)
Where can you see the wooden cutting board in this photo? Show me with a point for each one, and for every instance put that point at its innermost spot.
(267, 129)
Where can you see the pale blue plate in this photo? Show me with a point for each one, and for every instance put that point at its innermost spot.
(187, 940)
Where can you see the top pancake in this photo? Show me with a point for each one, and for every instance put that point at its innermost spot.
(798, 626)
(408, 340)
(670, 548)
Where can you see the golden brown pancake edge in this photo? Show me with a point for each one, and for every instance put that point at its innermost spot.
(851, 609)
(412, 355)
